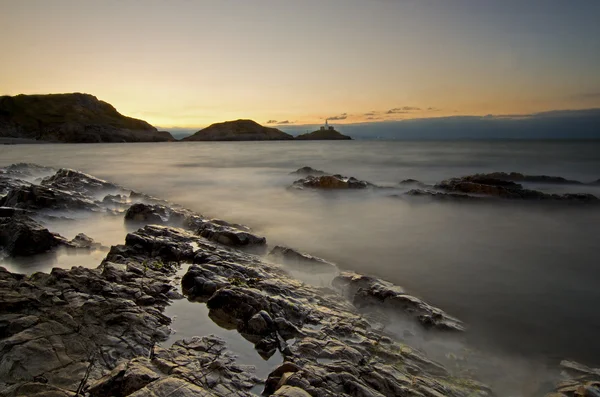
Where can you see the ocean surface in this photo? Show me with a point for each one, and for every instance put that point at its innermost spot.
(525, 279)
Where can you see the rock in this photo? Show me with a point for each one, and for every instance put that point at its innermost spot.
(37, 197)
(368, 291)
(331, 182)
(457, 197)
(124, 379)
(291, 391)
(22, 236)
(488, 186)
(148, 214)
(259, 324)
(71, 180)
(238, 130)
(81, 241)
(227, 234)
(518, 177)
(308, 171)
(71, 118)
(301, 260)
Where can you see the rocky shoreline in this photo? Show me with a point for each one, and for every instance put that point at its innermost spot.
(98, 332)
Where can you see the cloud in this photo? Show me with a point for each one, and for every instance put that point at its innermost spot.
(284, 122)
(271, 122)
(403, 109)
(432, 109)
(371, 113)
(342, 116)
(396, 110)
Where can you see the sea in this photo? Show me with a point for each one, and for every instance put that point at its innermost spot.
(525, 279)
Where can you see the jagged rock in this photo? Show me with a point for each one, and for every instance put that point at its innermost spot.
(124, 379)
(37, 197)
(227, 234)
(145, 213)
(301, 260)
(22, 236)
(308, 171)
(71, 180)
(364, 291)
(82, 241)
(328, 182)
(291, 391)
(27, 171)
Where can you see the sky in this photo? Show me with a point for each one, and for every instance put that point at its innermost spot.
(190, 63)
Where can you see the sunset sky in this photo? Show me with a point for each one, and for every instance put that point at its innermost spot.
(190, 63)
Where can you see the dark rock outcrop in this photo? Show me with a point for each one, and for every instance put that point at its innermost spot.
(238, 130)
(518, 177)
(323, 135)
(331, 182)
(486, 186)
(71, 180)
(71, 118)
(22, 236)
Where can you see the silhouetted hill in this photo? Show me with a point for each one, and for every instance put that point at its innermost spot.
(238, 130)
(71, 118)
(323, 135)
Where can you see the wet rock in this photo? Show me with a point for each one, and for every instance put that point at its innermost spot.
(22, 236)
(149, 214)
(27, 171)
(518, 177)
(37, 197)
(302, 261)
(308, 171)
(260, 324)
(487, 186)
(71, 180)
(291, 391)
(82, 241)
(331, 182)
(125, 379)
(367, 291)
(456, 197)
(227, 234)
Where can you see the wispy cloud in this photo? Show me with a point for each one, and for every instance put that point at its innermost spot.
(371, 113)
(396, 111)
(284, 122)
(271, 122)
(342, 116)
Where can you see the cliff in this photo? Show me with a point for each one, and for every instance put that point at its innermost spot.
(323, 135)
(238, 130)
(73, 118)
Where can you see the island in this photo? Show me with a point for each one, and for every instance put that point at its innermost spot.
(239, 130)
(74, 118)
(325, 133)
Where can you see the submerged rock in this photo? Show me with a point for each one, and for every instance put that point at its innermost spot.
(331, 182)
(302, 261)
(308, 171)
(488, 186)
(369, 291)
(518, 177)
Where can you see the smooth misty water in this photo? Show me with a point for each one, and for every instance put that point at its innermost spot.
(525, 279)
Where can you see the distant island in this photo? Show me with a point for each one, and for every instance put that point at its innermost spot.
(239, 130)
(325, 133)
(76, 117)
(83, 118)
